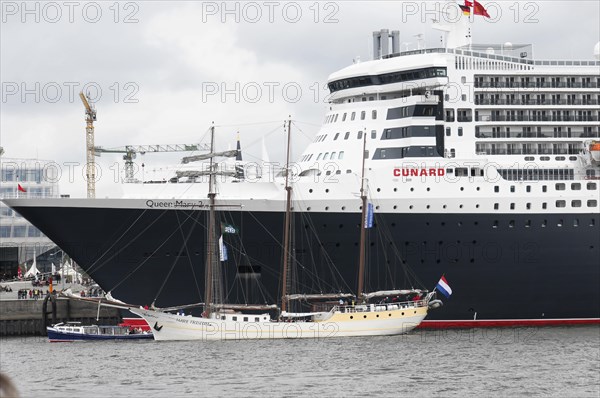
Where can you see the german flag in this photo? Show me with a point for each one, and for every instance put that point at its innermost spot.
(465, 10)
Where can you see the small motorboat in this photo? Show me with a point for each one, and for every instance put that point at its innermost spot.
(75, 331)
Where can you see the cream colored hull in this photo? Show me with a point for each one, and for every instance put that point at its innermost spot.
(167, 326)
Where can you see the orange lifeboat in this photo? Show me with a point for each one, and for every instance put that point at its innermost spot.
(595, 146)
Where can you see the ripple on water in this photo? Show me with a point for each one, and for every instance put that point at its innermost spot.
(494, 363)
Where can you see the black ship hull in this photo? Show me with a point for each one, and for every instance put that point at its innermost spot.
(500, 267)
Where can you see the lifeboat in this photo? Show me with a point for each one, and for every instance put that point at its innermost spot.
(594, 149)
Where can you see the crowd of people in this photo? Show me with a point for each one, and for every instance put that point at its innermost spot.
(33, 294)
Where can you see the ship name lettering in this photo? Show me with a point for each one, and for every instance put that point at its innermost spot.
(433, 172)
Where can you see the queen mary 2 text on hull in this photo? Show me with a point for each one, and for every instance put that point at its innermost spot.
(174, 204)
(424, 172)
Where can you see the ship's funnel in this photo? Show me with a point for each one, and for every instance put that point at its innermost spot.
(381, 43)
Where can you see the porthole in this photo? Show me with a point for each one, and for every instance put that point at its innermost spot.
(460, 207)
(477, 206)
(377, 315)
(415, 312)
(378, 189)
(428, 189)
(395, 207)
(478, 188)
(462, 188)
(412, 189)
(444, 206)
(310, 190)
(410, 207)
(403, 313)
(327, 190)
(428, 206)
(343, 207)
(308, 209)
(351, 317)
(364, 316)
(326, 207)
(395, 189)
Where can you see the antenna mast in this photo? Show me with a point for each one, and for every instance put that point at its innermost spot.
(363, 226)
(286, 233)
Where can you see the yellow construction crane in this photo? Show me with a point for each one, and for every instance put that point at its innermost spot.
(130, 152)
(90, 118)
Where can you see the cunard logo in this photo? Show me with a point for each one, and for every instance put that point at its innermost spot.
(419, 172)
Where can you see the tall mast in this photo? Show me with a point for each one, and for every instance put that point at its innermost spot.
(286, 233)
(363, 229)
(210, 248)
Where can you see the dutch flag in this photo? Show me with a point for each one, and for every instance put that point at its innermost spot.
(443, 287)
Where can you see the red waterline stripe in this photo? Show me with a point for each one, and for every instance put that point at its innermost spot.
(494, 323)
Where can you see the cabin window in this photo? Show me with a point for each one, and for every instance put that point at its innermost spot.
(234, 318)
(326, 156)
(591, 186)
(341, 155)
(544, 205)
(460, 131)
(360, 135)
(245, 319)
(561, 203)
(373, 134)
(496, 188)
(576, 203)
(592, 203)
(347, 135)
(374, 115)
(353, 116)
(576, 186)
(363, 115)
(257, 319)
(448, 131)
(336, 136)
(333, 155)
(560, 186)
(344, 117)
(318, 157)
(496, 206)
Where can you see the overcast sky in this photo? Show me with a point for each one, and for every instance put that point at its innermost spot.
(162, 67)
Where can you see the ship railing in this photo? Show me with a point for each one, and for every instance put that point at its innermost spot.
(378, 307)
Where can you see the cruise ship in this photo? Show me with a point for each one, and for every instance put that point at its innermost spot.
(482, 164)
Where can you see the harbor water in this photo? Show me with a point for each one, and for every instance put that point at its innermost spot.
(559, 361)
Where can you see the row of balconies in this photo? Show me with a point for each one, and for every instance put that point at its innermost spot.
(534, 118)
(527, 149)
(500, 84)
(535, 101)
(536, 134)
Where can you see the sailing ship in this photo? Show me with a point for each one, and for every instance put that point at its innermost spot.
(221, 321)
